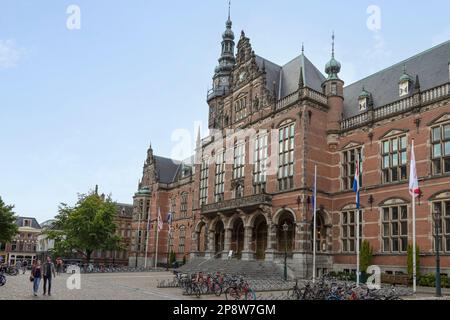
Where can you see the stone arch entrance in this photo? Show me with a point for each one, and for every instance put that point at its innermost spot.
(285, 240)
(259, 239)
(219, 237)
(237, 237)
(201, 237)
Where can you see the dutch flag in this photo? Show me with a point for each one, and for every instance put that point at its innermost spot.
(356, 185)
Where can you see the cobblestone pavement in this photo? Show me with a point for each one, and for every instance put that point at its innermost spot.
(112, 286)
(125, 286)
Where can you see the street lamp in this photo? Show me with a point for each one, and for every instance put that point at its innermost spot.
(437, 227)
(285, 229)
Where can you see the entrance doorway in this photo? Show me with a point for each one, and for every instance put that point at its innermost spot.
(260, 237)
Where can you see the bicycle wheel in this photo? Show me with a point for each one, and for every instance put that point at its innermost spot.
(231, 294)
(197, 291)
(217, 289)
(250, 295)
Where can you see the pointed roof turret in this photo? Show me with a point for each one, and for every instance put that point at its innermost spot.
(333, 67)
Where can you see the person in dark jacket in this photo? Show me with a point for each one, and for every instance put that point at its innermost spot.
(48, 272)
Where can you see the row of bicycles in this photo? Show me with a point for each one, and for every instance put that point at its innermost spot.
(91, 268)
(233, 287)
(7, 270)
(326, 289)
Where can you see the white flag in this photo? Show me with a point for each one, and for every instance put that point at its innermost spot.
(414, 189)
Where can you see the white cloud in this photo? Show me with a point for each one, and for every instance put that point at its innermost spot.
(441, 37)
(10, 54)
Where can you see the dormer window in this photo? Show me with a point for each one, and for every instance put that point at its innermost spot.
(404, 83)
(27, 223)
(403, 89)
(363, 100)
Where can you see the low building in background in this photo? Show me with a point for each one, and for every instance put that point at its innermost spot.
(45, 246)
(24, 245)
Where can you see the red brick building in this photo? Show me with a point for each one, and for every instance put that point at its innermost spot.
(270, 125)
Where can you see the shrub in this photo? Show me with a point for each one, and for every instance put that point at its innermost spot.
(366, 256)
(410, 260)
(429, 280)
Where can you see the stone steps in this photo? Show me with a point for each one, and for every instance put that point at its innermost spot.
(247, 269)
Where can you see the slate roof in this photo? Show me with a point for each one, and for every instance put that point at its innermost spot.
(169, 170)
(431, 66)
(124, 210)
(34, 223)
(289, 74)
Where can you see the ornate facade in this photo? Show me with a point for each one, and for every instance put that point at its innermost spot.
(270, 125)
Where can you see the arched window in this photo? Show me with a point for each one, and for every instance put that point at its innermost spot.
(321, 232)
(173, 206)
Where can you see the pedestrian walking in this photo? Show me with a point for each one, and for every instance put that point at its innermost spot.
(24, 266)
(48, 272)
(59, 266)
(36, 275)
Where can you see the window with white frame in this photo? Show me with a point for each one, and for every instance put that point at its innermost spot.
(395, 228)
(183, 205)
(348, 234)
(219, 185)
(240, 108)
(261, 155)
(204, 173)
(239, 161)
(182, 239)
(440, 139)
(349, 159)
(394, 159)
(173, 207)
(444, 227)
(286, 157)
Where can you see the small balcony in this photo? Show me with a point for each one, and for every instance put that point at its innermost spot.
(245, 204)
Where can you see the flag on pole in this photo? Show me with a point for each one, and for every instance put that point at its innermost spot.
(160, 221)
(169, 218)
(414, 189)
(356, 185)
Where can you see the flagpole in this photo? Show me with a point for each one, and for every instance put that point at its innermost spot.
(357, 247)
(146, 240)
(157, 240)
(414, 230)
(314, 224)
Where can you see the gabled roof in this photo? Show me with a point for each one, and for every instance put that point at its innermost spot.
(431, 66)
(289, 75)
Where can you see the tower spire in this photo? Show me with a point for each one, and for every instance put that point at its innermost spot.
(303, 48)
(332, 45)
(229, 10)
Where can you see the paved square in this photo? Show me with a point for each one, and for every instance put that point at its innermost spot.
(97, 286)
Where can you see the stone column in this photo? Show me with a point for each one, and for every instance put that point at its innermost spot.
(271, 242)
(227, 243)
(209, 252)
(248, 253)
(194, 244)
(302, 257)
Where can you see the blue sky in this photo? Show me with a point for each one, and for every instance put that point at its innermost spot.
(80, 107)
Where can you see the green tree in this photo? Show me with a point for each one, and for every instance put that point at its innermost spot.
(86, 227)
(366, 255)
(8, 227)
(410, 260)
